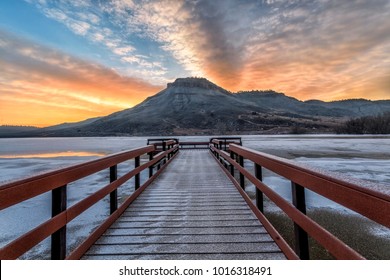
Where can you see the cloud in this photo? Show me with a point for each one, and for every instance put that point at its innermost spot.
(321, 50)
(34, 77)
(98, 37)
(309, 49)
(94, 22)
(123, 50)
(90, 17)
(79, 27)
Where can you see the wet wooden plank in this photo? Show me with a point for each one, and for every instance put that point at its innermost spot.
(189, 256)
(198, 248)
(183, 239)
(191, 211)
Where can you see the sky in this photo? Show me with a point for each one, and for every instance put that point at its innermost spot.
(68, 60)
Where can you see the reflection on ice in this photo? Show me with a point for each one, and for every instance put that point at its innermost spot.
(54, 155)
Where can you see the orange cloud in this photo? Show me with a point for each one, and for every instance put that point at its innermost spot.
(40, 86)
(314, 50)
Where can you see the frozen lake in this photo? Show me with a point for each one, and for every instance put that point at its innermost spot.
(363, 159)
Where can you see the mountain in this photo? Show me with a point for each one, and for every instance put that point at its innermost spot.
(195, 106)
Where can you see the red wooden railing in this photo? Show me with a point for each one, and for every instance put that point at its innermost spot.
(56, 182)
(369, 203)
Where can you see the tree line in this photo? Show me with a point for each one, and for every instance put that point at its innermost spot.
(379, 124)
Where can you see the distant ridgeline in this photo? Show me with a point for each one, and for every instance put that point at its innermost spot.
(15, 128)
(196, 106)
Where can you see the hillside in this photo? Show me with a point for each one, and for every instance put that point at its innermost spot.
(195, 106)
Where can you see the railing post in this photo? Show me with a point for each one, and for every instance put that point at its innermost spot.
(301, 237)
(58, 238)
(242, 178)
(150, 167)
(164, 149)
(231, 165)
(114, 193)
(136, 177)
(259, 193)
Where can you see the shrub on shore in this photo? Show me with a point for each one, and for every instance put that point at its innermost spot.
(379, 124)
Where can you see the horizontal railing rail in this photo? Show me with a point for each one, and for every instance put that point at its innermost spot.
(369, 203)
(57, 181)
(18, 191)
(162, 143)
(223, 143)
(194, 145)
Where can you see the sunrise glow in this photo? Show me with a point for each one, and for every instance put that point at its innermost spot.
(66, 61)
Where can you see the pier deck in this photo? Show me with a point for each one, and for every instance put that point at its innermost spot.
(191, 211)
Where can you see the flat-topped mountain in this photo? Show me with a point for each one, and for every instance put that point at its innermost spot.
(201, 83)
(195, 106)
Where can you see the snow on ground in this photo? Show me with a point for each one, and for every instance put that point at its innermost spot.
(361, 157)
(363, 160)
(317, 146)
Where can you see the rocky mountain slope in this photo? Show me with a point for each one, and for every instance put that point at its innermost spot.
(194, 106)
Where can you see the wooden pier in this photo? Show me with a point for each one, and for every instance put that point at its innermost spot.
(191, 211)
(193, 205)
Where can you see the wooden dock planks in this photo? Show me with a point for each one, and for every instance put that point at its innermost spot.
(191, 211)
